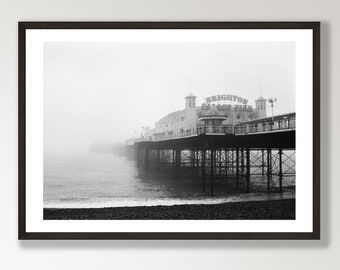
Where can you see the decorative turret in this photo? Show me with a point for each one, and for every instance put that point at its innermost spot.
(190, 111)
(190, 101)
(261, 107)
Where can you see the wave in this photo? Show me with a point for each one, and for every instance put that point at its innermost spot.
(123, 202)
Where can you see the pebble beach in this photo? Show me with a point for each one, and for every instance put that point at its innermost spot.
(250, 210)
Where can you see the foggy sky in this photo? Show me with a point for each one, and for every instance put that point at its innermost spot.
(108, 91)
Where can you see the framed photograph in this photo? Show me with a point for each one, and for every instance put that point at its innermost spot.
(169, 130)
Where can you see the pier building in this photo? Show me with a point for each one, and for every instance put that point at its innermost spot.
(233, 143)
(217, 114)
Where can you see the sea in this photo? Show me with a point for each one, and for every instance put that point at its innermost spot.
(96, 180)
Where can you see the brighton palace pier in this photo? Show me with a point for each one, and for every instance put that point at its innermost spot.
(224, 139)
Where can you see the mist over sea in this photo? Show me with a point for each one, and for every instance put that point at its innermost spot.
(92, 180)
(104, 180)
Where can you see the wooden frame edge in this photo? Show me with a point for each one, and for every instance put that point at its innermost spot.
(23, 26)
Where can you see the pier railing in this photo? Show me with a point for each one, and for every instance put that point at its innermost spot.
(285, 122)
(265, 125)
(215, 130)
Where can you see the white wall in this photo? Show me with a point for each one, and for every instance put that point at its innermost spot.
(262, 255)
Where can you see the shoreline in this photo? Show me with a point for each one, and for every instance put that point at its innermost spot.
(283, 209)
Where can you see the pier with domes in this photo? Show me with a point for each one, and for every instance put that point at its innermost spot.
(224, 139)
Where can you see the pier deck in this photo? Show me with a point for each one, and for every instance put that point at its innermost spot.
(230, 157)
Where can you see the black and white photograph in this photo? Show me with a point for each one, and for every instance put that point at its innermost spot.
(169, 131)
(173, 125)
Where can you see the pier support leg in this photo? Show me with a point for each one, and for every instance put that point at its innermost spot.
(194, 162)
(269, 157)
(263, 163)
(158, 159)
(232, 166)
(138, 157)
(146, 159)
(227, 162)
(212, 160)
(192, 158)
(203, 168)
(242, 161)
(248, 169)
(220, 163)
(197, 162)
(173, 164)
(178, 163)
(237, 168)
(280, 169)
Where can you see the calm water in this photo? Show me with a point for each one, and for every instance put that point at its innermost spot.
(106, 180)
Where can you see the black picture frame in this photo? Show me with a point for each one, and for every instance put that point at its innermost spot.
(24, 26)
